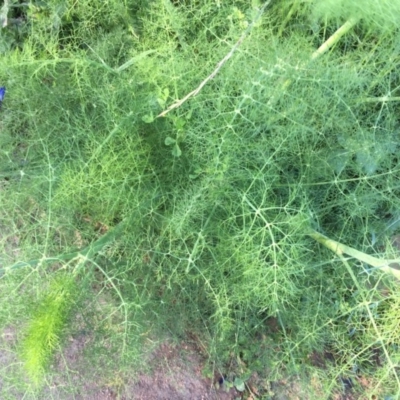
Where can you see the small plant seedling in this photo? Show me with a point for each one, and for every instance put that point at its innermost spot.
(176, 151)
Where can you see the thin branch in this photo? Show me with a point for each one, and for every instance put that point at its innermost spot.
(193, 93)
(388, 266)
(334, 38)
(4, 13)
(383, 99)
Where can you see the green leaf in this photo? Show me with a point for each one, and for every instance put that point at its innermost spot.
(148, 118)
(163, 97)
(176, 151)
(179, 123)
(189, 114)
(161, 102)
(239, 384)
(169, 140)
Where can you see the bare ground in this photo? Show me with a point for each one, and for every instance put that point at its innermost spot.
(175, 373)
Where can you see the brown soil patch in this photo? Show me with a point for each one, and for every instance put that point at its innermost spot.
(177, 375)
(175, 372)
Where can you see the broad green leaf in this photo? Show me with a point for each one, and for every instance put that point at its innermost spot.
(239, 384)
(176, 151)
(148, 118)
(169, 140)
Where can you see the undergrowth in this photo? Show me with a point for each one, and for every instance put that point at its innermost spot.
(235, 213)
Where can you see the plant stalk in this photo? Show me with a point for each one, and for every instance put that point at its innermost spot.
(387, 266)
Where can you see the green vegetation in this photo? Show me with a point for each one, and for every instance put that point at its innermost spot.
(259, 212)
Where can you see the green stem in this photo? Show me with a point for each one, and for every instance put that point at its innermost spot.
(383, 99)
(334, 38)
(388, 266)
(321, 50)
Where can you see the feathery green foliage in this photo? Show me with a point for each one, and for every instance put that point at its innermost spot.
(210, 211)
(43, 335)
